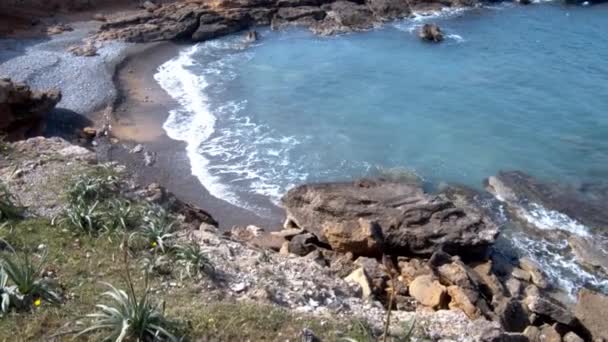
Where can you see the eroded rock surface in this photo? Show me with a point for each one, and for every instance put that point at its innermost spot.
(412, 222)
(198, 20)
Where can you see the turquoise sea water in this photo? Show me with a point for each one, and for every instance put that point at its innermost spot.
(511, 88)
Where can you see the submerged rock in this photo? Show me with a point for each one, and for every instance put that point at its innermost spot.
(412, 222)
(22, 110)
(519, 190)
(431, 33)
(589, 253)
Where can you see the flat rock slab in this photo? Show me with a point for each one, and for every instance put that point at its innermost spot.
(412, 221)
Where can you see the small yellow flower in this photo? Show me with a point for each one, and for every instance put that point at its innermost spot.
(37, 302)
(154, 244)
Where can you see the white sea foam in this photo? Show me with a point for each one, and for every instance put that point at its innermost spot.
(192, 123)
(558, 264)
(546, 219)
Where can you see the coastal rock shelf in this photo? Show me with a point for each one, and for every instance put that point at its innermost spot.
(200, 21)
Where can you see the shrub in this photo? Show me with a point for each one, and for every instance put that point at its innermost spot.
(29, 287)
(9, 210)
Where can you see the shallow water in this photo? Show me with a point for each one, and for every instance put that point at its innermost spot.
(512, 87)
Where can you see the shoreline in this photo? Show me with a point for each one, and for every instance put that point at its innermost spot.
(140, 109)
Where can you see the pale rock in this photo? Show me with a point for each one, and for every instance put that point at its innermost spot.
(428, 291)
(360, 278)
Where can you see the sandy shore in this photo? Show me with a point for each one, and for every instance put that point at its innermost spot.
(141, 109)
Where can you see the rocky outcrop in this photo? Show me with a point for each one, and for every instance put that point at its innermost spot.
(411, 221)
(197, 21)
(592, 311)
(431, 33)
(22, 110)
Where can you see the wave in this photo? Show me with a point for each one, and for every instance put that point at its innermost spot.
(233, 156)
(546, 219)
(192, 122)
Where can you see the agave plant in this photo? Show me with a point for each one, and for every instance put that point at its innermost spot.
(83, 216)
(120, 214)
(158, 228)
(6, 292)
(193, 259)
(25, 274)
(9, 209)
(128, 316)
(91, 188)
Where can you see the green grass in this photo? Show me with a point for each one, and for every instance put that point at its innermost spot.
(80, 263)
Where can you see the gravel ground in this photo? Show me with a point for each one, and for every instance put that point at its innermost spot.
(44, 63)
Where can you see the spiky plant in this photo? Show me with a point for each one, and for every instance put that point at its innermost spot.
(6, 292)
(158, 228)
(9, 209)
(91, 188)
(26, 275)
(128, 316)
(193, 259)
(84, 217)
(120, 215)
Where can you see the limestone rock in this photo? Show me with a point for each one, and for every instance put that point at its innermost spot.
(431, 33)
(572, 337)
(428, 291)
(389, 9)
(22, 111)
(251, 36)
(359, 237)
(532, 333)
(360, 278)
(549, 334)
(412, 268)
(150, 6)
(413, 223)
(86, 50)
(537, 276)
(490, 285)
(460, 300)
(551, 308)
(592, 312)
(287, 234)
(589, 253)
(514, 287)
(58, 29)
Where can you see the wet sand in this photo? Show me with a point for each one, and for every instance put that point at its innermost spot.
(139, 113)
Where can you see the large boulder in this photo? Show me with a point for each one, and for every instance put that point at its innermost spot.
(22, 110)
(592, 312)
(412, 222)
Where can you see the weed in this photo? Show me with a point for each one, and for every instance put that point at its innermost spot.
(9, 209)
(193, 259)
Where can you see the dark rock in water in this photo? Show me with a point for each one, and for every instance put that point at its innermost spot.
(412, 222)
(524, 2)
(513, 315)
(87, 50)
(592, 312)
(251, 36)
(23, 111)
(214, 25)
(431, 33)
(517, 188)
